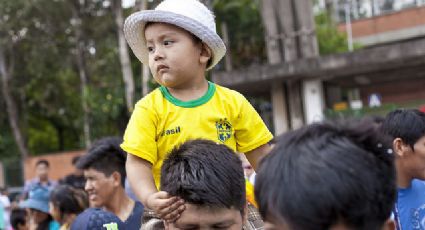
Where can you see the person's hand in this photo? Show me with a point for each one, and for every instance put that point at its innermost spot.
(165, 206)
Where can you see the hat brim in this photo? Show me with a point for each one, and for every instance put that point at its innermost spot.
(35, 204)
(134, 28)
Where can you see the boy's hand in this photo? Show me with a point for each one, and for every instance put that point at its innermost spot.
(165, 206)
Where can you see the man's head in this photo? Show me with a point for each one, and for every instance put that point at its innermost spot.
(78, 172)
(328, 176)
(104, 170)
(407, 129)
(42, 169)
(210, 179)
(189, 15)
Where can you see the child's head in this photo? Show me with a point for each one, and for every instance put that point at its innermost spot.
(407, 129)
(18, 219)
(210, 179)
(189, 18)
(66, 200)
(327, 175)
(104, 169)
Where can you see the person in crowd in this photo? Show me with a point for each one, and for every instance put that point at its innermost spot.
(407, 130)
(18, 219)
(75, 179)
(66, 202)
(41, 179)
(179, 42)
(98, 219)
(209, 178)
(328, 176)
(104, 170)
(5, 203)
(37, 206)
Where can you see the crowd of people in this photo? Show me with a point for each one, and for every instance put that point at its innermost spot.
(196, 155)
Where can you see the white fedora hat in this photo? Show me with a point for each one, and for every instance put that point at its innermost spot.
(190, 15)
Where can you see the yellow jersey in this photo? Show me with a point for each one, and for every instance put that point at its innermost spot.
(160, 122)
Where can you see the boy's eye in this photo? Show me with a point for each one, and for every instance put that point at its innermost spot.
(168, 42)
(150, 49)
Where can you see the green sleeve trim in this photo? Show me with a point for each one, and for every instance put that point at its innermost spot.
(189, 104)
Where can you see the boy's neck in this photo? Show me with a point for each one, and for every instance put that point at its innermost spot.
(190, 92)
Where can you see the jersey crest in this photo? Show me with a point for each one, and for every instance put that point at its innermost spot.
(224, 129)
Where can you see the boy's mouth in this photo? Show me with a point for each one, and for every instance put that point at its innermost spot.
(159, 68)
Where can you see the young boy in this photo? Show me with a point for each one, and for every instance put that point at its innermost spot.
(179, 42)
(328, 176)
(407, 129)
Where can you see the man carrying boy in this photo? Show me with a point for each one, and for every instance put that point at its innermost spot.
(326, 176)
(104, 170)
(407, 129)
(179, 42)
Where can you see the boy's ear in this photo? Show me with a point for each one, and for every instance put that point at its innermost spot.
(206, 54)
(400, 148)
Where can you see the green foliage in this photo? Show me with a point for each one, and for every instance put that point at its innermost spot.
(329, 38)
(40, 37)
(245, 27)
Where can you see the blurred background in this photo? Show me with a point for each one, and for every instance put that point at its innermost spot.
(68, 77)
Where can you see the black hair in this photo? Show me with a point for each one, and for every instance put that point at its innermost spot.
(75, 160)
(18, 216)
(69, 200)
(205, 173)
(329, 173)
(106, 156)
(42, 162)
(406, 124)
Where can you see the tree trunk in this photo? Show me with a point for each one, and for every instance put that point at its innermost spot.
(127, 72)
(82, 71)
(11, 107)
(145, 75)
(228, 58)
(207, 3)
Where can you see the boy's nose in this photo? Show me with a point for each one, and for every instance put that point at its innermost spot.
(158, 54)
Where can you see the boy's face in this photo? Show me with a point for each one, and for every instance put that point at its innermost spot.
(99, 187)
(175, 59)
(414, 159)
(205, 218)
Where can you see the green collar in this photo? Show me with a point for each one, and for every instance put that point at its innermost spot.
(189, 104)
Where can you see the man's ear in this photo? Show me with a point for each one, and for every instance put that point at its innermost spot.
(400, 148)
(116, 177)
(166, 225)
(245, 213)
(206, 54)
(389, 225)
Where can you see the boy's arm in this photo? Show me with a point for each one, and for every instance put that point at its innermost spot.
(139, 173)
(254, 156)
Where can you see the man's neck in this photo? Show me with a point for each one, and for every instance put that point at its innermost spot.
(403, 179)
(121, 205)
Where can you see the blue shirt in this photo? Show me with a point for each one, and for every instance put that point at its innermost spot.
(410, 206)
(134, 221)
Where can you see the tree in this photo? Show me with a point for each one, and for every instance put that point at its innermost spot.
(127, 72)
